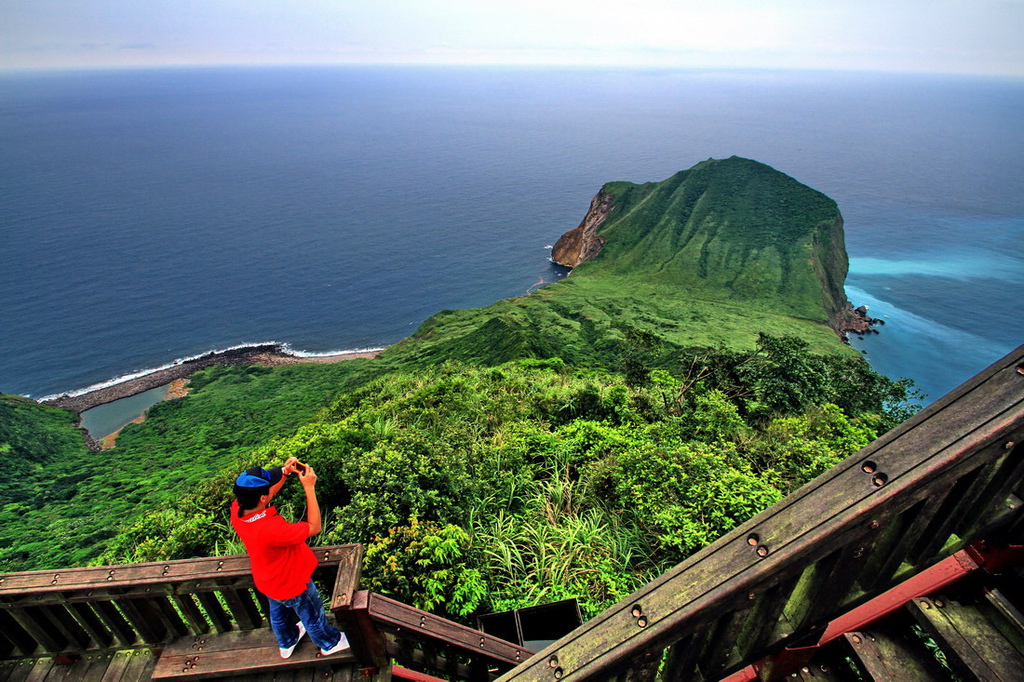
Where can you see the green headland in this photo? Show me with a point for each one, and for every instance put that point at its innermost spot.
(574, 442)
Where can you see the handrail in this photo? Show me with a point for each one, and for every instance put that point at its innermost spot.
(943, 479)
(129, 605)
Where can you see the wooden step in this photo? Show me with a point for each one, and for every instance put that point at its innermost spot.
(977, 640)
(242, 652)
(883, 655)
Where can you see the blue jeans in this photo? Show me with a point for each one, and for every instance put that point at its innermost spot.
(310, 610)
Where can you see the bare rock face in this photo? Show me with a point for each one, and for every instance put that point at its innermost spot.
(582, 242)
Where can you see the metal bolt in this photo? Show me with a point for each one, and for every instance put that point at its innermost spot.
(481, 641)
(874, 524)
(879, 480)
(1009, 445)
(856, 639)
(558, 673)
(641, 621)
(939, 603)
(553, 662)
(637, 611)
(762, 551)
(753, 539)
(1020, 368)
(751, 596)
(868, 467)
(925, 604)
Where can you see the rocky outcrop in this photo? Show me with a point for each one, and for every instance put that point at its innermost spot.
(857, 321)
(583, 242)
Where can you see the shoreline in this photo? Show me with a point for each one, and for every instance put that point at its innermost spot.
(267, 355)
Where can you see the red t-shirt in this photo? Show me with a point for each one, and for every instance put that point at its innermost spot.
(282, 562)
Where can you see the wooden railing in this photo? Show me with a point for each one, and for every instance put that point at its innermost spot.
(383, 629)
(141, 605)
(947, 477)
(179, 608)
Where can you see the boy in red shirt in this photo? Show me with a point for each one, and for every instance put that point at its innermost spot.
(282, 562)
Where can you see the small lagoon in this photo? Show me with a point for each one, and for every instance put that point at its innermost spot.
(103, 420)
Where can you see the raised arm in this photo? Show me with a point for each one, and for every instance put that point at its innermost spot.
(308, 480)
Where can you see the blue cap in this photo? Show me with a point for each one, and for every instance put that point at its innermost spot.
(258, 477)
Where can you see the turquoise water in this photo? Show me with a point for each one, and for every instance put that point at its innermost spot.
(152, 215)
(103, 420)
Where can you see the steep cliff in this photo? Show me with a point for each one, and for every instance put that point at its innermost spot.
(582, 242)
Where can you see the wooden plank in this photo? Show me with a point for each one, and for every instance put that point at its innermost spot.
(144, 617)
(364, 637)
(248, 653)
(350, 567)
(936, 534)
(35, 623)
(15, 671)
(186, 605)
(141, 663)
(767, 624)
(1010, 621)
(64, 622)
(727, 639)
(994, 503)
(172, 619)
(832, 582)
(884, 657)
(244, 610)
(116, 666)
(911, 463)
(93, 667)
(17, 639)
(912, 524)
(154, 573)
(91, 624)
(974, 647)
(214, 611)
(41, 667)
(681, 661)
(417, 623)
(121, 629)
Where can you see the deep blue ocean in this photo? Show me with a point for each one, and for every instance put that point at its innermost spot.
(149, 215)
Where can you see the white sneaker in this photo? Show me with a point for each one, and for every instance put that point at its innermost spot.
(286, 653)
(340, 646)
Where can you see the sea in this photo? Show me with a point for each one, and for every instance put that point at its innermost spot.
(151, 215)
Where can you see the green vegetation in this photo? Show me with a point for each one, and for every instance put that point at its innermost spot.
(576, 442)
(65, 503)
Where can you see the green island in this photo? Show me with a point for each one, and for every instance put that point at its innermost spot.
(574, 442)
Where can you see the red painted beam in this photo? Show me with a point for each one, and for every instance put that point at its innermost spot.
(943, 574)
(929, 581)
(400, 673)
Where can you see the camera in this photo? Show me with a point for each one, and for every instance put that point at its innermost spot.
(300, 468)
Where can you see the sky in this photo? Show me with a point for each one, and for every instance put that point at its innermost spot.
(943, 36)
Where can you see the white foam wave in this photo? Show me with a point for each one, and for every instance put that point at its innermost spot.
(136, 374)
(327, 354)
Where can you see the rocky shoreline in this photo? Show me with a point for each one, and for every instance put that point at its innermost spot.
(267, 355)
(857, 321)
